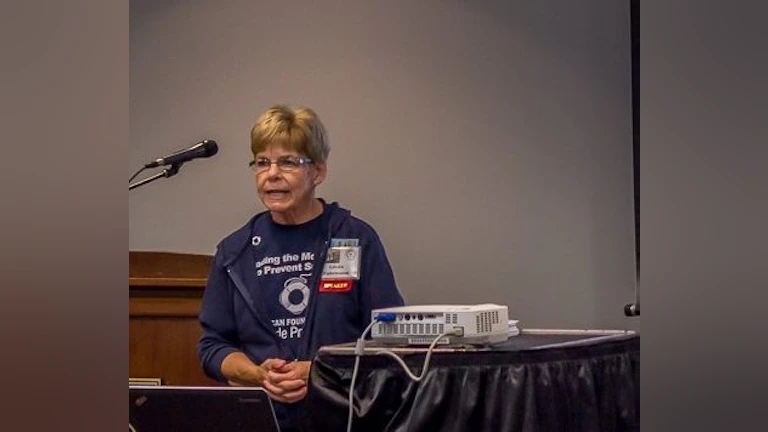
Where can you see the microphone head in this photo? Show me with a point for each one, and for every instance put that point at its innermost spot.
(209, 148)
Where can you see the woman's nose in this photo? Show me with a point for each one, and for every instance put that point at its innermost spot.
(273, 170)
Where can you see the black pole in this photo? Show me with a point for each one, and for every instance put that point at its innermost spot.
(633, 309)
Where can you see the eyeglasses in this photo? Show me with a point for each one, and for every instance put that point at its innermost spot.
(284, 163)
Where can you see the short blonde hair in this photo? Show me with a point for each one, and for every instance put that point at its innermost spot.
(297, 129)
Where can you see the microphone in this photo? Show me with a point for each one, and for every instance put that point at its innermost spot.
(203, 149)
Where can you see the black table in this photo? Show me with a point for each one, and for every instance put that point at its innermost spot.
(540, 380)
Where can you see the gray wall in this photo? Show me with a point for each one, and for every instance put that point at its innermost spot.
(488, 142)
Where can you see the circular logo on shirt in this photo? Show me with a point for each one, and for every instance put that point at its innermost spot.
(295, 303)
(256, 240)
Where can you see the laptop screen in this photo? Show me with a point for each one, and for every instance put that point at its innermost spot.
(198, 409)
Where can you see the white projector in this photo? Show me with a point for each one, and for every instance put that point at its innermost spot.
(481, 324)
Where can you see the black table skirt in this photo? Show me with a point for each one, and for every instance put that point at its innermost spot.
(546, 381)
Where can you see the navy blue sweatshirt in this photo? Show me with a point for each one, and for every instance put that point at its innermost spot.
(265, 294)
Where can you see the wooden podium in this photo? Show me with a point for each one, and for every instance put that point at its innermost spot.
(165, 291)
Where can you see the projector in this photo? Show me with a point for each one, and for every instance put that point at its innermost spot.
(481, 324)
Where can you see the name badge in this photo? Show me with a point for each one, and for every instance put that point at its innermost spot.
(342, 262)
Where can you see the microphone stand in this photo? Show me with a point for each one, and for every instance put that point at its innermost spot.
(168, 172)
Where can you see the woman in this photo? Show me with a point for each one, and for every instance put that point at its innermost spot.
(298, 276)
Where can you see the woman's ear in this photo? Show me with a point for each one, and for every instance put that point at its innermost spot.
(321, 170)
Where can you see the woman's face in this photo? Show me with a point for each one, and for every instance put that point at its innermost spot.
(287, 189)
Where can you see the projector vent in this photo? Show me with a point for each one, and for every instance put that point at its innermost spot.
(425, 341)
(410, 329)
(484, 321)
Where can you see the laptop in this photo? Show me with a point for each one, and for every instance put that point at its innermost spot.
(198, 409)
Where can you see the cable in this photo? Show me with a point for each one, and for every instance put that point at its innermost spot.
(137, 173)
(424, 368)
(359, 350)
(351, 393)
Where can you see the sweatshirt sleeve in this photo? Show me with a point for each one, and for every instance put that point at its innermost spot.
(219, 337)
(377, 282)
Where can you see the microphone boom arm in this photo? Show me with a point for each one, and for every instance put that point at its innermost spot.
(167, 172)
